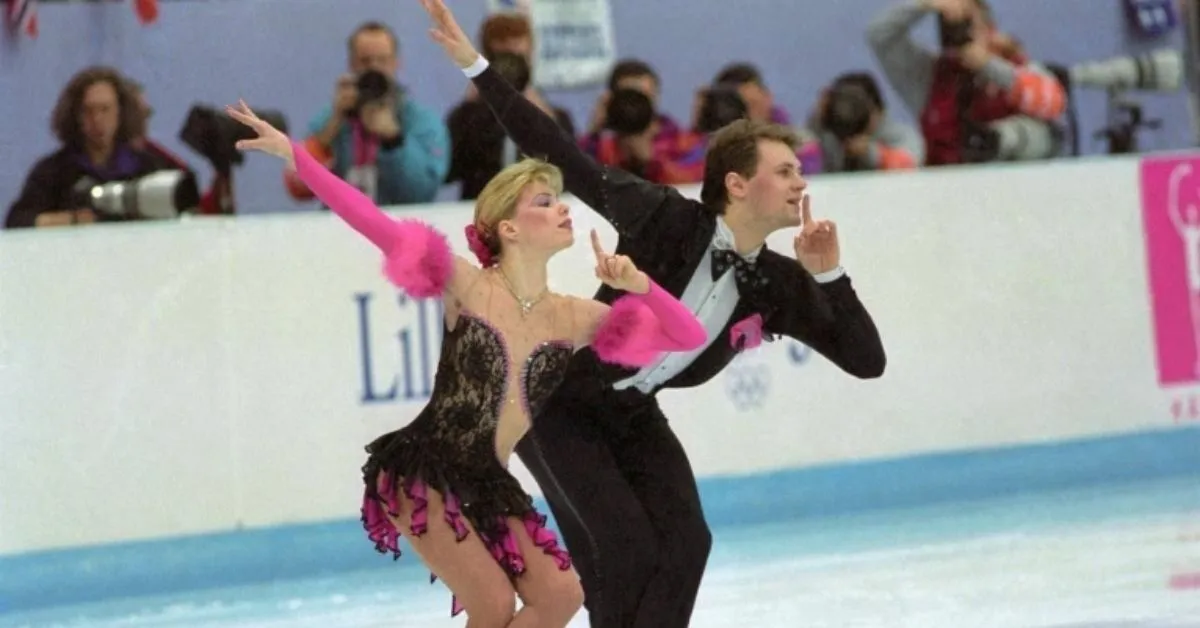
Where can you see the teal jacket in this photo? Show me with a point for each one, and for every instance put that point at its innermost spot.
(411, 173)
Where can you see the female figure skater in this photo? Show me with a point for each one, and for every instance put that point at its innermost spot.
(442, 481)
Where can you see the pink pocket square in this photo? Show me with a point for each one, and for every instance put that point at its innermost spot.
(747, 333)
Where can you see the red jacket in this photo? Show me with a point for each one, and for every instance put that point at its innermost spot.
(1034, 94)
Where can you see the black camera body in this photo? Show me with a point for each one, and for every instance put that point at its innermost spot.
(629, 112)
(373, 86)
(848, 111)
(721, 105)
(954, 34)
(513, 68)
(214, 135)
(981, 143)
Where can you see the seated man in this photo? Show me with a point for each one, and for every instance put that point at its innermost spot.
(96, 118)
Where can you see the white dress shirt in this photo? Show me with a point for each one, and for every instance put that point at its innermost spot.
(713, 303)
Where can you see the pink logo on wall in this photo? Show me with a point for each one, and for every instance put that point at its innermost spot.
(1171, 215)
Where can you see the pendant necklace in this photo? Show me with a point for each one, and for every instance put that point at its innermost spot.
(526, 304)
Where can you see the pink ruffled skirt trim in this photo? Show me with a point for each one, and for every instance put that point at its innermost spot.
(504, 549)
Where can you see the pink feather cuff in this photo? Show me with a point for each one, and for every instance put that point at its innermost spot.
(627, 334)
(421, 262)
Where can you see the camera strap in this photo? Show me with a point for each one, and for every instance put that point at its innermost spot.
(508, 152)
(364, 146)
(363, 173)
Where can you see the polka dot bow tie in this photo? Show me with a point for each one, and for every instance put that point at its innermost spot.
(748, 275)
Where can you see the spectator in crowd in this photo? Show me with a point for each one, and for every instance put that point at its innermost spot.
(219, 197)
(760, 102)
(748, 81)
(979, 98)
(374, 135)
(856, 133)
(96, 120)
(628, 131)
(510, 31)
(478, 146)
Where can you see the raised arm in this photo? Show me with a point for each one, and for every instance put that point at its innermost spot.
(639, 327)
(624, 200)
(816, 303)
(1030, 87)
(417, 257)
(907, 64)
(641, 324)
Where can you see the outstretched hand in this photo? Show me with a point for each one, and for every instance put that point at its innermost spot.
(618, 271)
(817, 243)
(270, 139)
(447, 33)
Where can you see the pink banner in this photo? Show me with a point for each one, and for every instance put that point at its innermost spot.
(1171, 217)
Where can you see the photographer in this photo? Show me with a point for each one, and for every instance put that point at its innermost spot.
(749, 82)
(95, 119)
(979, 98)
(479, 147)
(219, 197)
(511, 32)
(856, 133)
(636, 141)
(373, 135)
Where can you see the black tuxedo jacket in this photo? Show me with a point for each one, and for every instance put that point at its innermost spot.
(666, 235)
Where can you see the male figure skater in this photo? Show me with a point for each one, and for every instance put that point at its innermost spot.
(618, 481)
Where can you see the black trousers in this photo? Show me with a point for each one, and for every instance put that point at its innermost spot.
(624, 495)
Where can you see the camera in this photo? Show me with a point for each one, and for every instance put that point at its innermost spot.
(848, 111)
(513, 68)
(213, 134)
(629, 112)
(372, 86)
(159, 195)
(954, 34)
(1015, 138)
(1155, 71)
(721, 105)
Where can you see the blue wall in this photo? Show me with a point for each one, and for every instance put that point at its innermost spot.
(286, 54)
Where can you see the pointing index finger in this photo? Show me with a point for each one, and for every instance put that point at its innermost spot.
(805, 212)
(599, 250)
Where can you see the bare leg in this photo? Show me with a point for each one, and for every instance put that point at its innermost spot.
(466, 566)
(550, 596)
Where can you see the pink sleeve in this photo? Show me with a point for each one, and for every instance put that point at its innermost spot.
(641, 326)
(418, 258)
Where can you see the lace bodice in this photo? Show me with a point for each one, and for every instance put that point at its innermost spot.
(496, 371)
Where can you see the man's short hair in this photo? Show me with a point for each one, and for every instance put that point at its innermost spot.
(739, 74)
(372, 26)
(630, 68)
(734, 148)
(865, 81)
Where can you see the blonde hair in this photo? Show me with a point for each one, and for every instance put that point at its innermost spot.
(498, 199)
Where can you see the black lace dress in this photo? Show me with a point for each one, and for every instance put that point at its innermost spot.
(450, 447)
